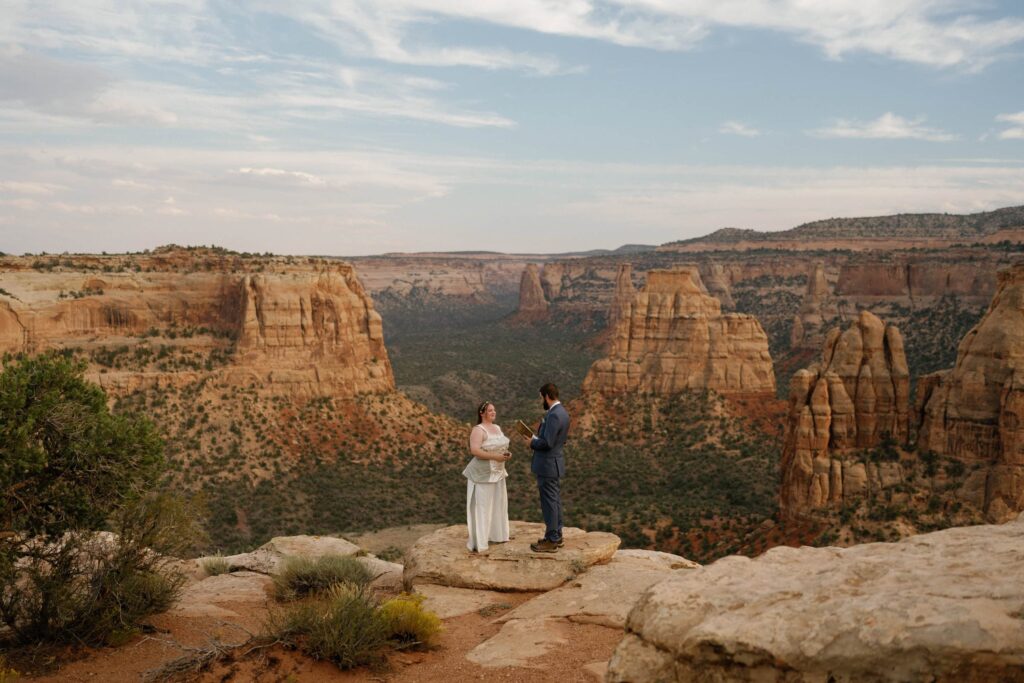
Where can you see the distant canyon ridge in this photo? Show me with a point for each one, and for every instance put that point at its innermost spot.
(890, 300)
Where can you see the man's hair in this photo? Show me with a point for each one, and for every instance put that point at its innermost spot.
(549, 390)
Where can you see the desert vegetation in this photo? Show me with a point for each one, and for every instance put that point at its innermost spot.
(85, 535)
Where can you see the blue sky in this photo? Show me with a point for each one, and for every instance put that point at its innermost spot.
(347, 128)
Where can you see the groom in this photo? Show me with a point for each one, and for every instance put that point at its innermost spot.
(549, 466)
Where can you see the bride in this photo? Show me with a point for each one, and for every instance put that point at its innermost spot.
(486, 496)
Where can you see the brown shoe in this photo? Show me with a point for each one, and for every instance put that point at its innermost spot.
(544, 546)
(559, 543)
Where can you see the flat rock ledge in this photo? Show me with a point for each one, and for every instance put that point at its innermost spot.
(442, 558)
(270, 557)
(945, 606)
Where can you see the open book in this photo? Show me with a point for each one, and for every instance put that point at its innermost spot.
(521, 427)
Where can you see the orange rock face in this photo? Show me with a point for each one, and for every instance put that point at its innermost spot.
(975, 412)
(673, 336)
(856, 397)
(306, 329)
(532, 303)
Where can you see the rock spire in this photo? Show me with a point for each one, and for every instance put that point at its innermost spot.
(673, 336)
(855, 398)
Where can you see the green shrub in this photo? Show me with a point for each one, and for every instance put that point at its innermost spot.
(301, 576)
(343, 625)
(215, 565)
(391, 554)
(407, 622)
(70, 470)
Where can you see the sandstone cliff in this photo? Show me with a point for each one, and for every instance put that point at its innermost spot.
(673, 336)
(974, 412)
(173, 318)
(816, 310)
(625, 293)
(853, 399)
(532, 303)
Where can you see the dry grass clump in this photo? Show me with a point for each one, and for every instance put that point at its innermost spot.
(342, 625)
(408, 624)
(215, 565)
(302, 576)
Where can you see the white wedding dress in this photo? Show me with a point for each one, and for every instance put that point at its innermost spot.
(486, 495)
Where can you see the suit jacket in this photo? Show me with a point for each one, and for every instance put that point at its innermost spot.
(548, 459)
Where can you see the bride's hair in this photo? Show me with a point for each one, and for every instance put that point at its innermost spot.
(481, 410)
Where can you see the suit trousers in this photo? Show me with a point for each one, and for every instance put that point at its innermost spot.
(551, 506)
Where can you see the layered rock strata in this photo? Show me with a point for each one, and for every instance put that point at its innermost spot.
(273, 325)
(975, 411)
(312, 335)
(853, 399)
(673, 336)
(532, 303)
(625, 293)
(943, 607)
(817, 308)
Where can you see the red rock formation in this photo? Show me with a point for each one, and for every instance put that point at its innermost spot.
(306, 329)
(853, 399)
(716, 279)
(674, 337)
(532, 303)
(974, 412)
(313, 335)
(625, 293)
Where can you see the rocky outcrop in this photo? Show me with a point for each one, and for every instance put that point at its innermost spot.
(853, 399)
(271, 324)
(272, 556)
(441, 558)
(312, 335)
(943, 606)
(975, 411)
(817, 308)
(716, 279)
(532, 303)
(625, 293)
(674, 337)
(602, 595)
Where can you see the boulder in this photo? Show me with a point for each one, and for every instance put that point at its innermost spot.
(944, 606)
(442, 558)
(604, 594)
(270, 557)
(214, 595)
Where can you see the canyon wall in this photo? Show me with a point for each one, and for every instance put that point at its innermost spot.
(673, 336)
(853, 399)
(302, 328)
(975, 411)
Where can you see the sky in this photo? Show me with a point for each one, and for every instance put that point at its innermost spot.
(349, 128)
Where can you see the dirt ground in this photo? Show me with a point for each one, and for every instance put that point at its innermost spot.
(587, 644)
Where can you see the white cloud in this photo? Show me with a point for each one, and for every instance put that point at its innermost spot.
(303, 177)
(888, 126)
(932, 32)
(1015, 132)
(738, 128)
(385, 201)
(19, 187)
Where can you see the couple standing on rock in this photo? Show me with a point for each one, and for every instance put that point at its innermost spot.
(486, 495)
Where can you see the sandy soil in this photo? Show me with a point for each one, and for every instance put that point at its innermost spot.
(447, 662)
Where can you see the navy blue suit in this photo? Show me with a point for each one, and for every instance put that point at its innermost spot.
(548, 465)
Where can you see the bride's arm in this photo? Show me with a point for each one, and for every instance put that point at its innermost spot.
(476, 439)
